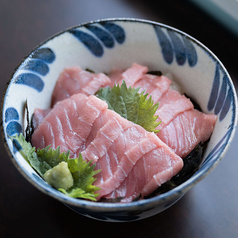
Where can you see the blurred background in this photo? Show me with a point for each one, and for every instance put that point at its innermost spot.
(210, 209)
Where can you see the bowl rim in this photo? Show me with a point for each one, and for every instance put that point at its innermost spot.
(150, 202)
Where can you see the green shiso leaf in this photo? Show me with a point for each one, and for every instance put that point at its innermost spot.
(130, 104)
(30, 155)
(45, 159)
(83, 174)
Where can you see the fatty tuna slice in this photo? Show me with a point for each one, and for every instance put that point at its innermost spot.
(75, 80)
(39, 115)
(154, 85)
(99, 125)
(115, 147)
(69, 123)
(169, 96)
(150, 171)
(169, 111)
(98, 81)
(117, 163)
(186, 130)
(70, 81)
(133, 74)
(104, 138)
(115, 75)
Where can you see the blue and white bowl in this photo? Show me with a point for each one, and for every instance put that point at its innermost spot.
(116, 43)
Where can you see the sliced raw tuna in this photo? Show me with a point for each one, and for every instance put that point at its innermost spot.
(169, 96)
(186, 130)
(116, 144)
(39, 115)
(98, 81)
(133, 74)
(75, 80)
(71, 80)
(169, 111)
(69, 123)
(154, 85)
(120, 158)
(115, 75)
(151, 171)
(133, 161)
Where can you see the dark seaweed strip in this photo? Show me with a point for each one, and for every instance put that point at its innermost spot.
(111, 200)
(90, 70)
(195, 104)
(155, 72)
(29, 127)
(191, 164)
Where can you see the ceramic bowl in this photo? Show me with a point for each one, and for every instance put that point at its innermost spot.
(116, 43)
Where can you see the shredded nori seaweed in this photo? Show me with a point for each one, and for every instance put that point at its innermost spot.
(111, 200)
(29, 127)
(90, 70)
(155, 72)
(191, 165)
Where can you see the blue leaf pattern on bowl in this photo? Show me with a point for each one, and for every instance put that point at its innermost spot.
(12, 118)
(191, 52)
(221, 99)
(11, 114)
(45, 54)
(221, 95)
(16, 146)
(98, 36)
(179, 48)
(13, 127)
(89, 41)
(173, 45)
(117, 31)
(35, 67)
(226, 105)
(31, 80)
(214, 91)
(104, 36)
(166, 46)
(217, 149)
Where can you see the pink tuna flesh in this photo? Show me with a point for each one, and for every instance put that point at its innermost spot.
(133, 74)
(151, 170)
(133, 161)
(69, 123)
(189, 128)
(115, 147)
(75, 80)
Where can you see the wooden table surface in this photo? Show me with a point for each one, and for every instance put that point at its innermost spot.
(210, 209)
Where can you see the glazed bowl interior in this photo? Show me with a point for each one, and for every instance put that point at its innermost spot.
(116, 44)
